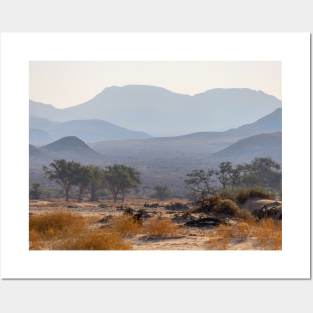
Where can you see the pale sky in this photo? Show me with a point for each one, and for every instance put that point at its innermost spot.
(67, 83)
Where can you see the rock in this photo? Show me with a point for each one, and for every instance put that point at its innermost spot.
(177, 206)
(183, 217)
(204, 222)
(129, 211)
(141, 214)
(151, 205)
(272, 210)
(256, 204)
(138, 215)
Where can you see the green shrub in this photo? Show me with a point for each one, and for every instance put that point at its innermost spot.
(250, 193)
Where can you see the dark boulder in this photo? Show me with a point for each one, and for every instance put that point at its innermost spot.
(204, 222)
(272, 210)
(151, 205)
(177, 206)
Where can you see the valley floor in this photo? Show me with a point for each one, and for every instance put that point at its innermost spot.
(104, 226)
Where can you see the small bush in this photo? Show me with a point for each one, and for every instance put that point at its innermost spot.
(226, 207)
(250, 193)
(95, 240)
(125, 226)
(57, 224)
(156, 227)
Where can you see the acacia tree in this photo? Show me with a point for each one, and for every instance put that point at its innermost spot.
(161, 192)
(120, 179)
(82, 180)
(262, 172)
(229, 176)
(224, 173)
(200, 183)
(63, 173)
(95, 175)
(35, 192)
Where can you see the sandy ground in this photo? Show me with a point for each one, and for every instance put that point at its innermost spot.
(188, 238)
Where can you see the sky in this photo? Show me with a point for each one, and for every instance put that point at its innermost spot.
(68, 83)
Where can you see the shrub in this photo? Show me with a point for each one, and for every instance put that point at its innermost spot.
(250, 193)
(226, 207)
(94, 240)
(125, 226)
(156, 227)
(54, 225)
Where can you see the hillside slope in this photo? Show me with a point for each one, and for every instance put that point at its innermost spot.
(245, 150)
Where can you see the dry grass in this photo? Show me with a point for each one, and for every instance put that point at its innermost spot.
(268, 234)
(263, 235)
(163, 228)
(125, 226)
(56, 224)
(67, 231)
(94, 240)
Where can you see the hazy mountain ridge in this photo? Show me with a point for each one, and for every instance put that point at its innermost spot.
(245, 150)
(187, 146)
(87, 130)
(147, 107)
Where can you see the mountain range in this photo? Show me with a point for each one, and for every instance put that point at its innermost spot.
(246, 124)
(160, 112)
(167, 154)
(43, 131)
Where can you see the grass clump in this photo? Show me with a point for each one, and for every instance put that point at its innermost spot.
(262, 235)
(156, 227)
(53, 225)
(125, 226)
(94, 240)
(268, 234)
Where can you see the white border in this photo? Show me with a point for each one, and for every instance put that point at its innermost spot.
(292, 49)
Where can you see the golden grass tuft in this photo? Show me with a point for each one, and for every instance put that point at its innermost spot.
(268, 234)
(156, 227)
(125, 226)
(263, 235)
(56, 224)
(94, 240)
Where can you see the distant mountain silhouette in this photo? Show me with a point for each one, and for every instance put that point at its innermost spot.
(192, 147)
(159, 111)
(87, 130)
(244, 150)
(69, 148)
(267, 124)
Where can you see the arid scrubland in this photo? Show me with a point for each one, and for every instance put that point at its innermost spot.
(141, 224)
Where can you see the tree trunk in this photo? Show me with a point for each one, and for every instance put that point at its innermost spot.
(93, 194)
(67, 191)
(80, 193)
(114, 197)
